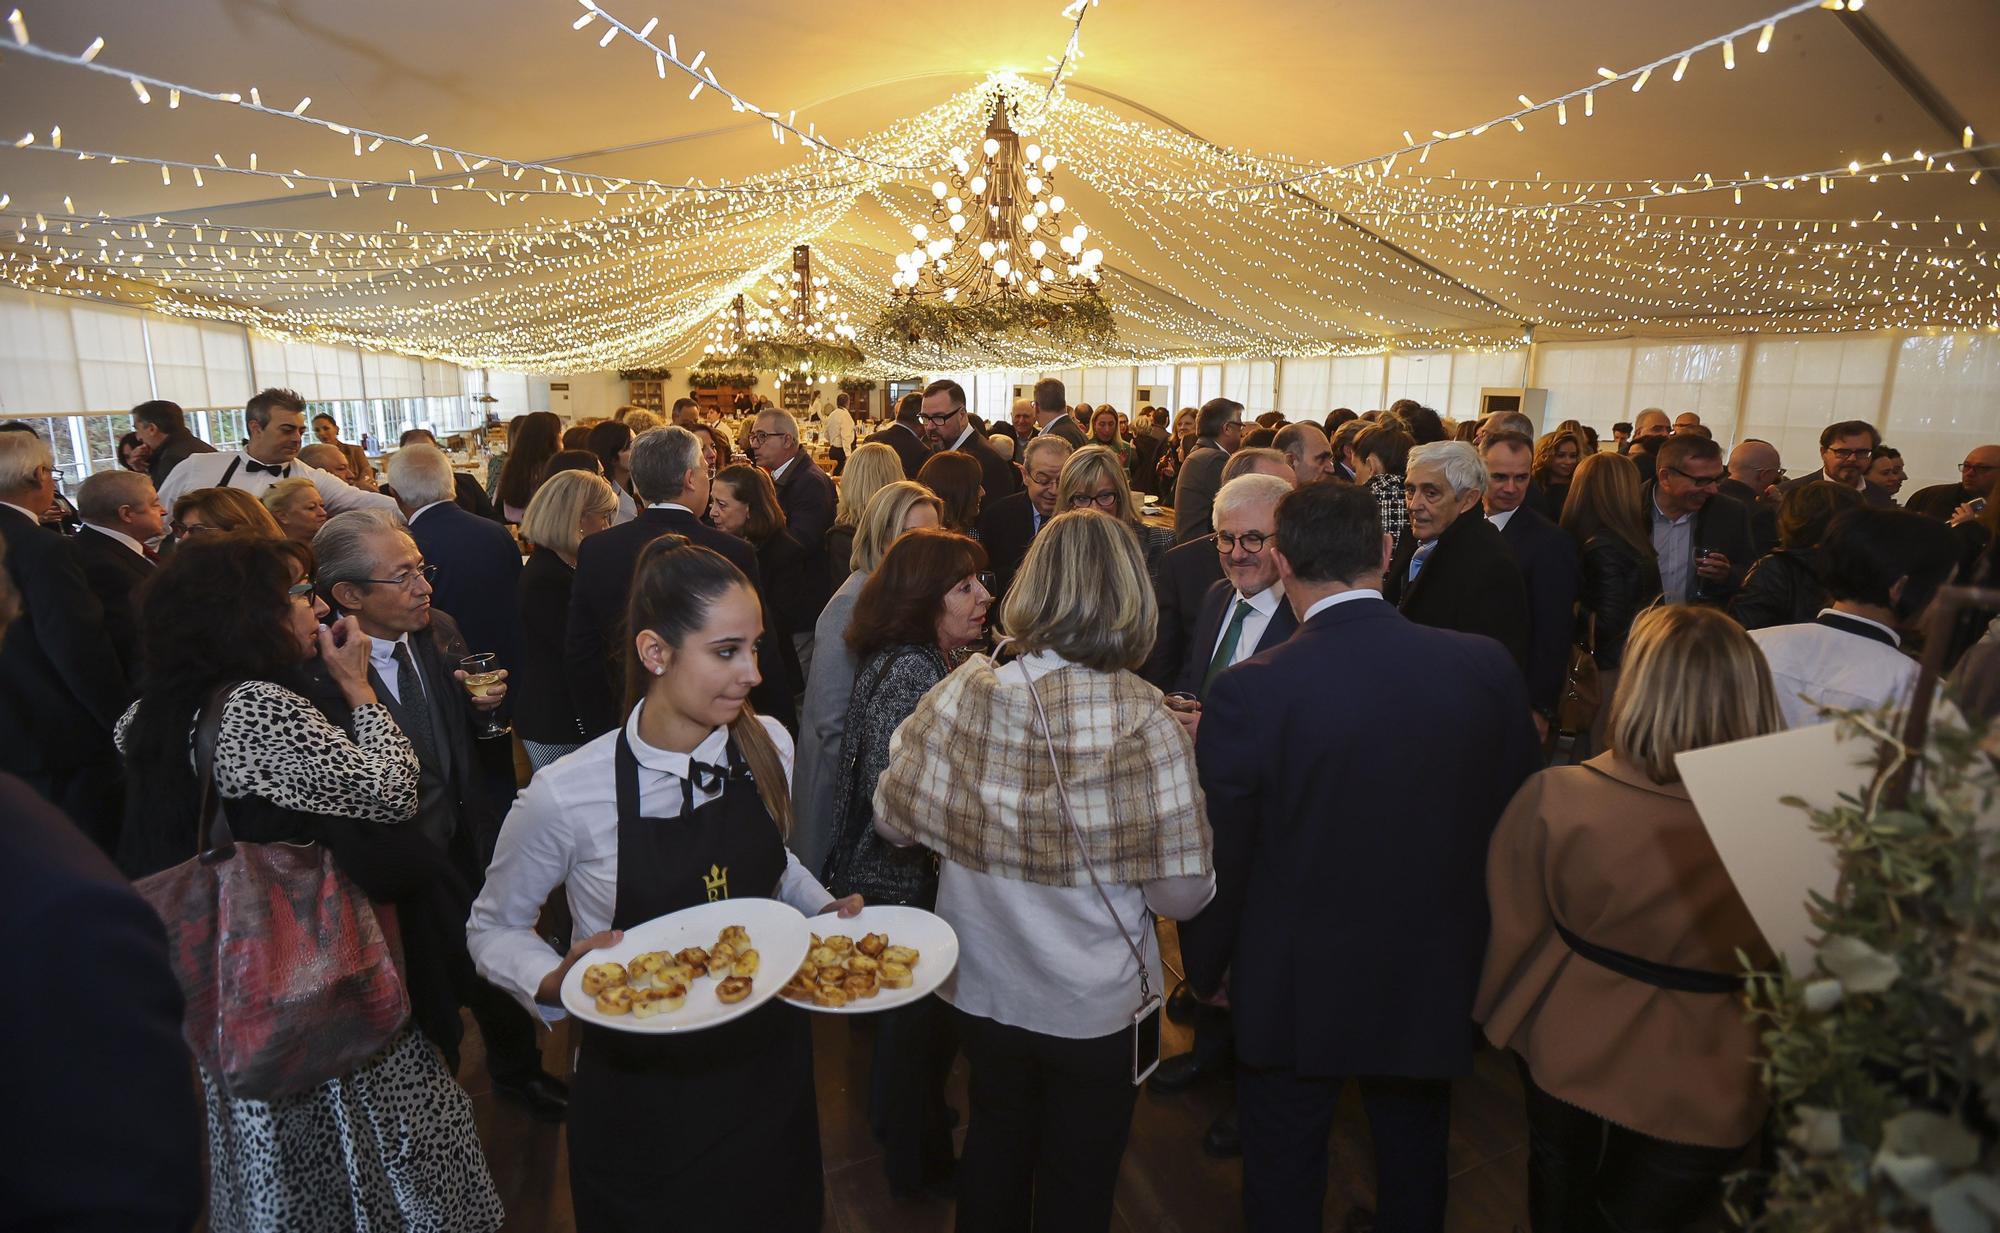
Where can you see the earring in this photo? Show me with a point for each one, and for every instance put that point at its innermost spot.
(659, 669)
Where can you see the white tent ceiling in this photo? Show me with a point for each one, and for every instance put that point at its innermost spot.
(1461, 247)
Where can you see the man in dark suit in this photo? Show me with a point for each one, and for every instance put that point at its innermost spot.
(1844, 452)
(1350, 905)
(1700, 537)
(1009, 525)
(805, 492)
(1452, 570)
(122, 519)
(466, 492)
(62, 684)
(903, 435)
(1218, 431)
(1754, 475)
(1189, 570)
(478, 563)
(162, 425)
(1052, 417)
(1551, 567)
(1977, 476)
(947, 427)
(372, 569)
(668, 473)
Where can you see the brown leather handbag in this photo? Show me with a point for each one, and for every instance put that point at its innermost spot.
(1581, 696)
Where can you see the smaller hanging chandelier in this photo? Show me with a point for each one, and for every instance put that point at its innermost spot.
(1000, 255)
(790, 322)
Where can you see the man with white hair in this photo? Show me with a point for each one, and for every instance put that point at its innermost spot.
(1452, 570)
(1009, 525)
(478, 563)
(805, 492)
(61, 686)
(122, 520)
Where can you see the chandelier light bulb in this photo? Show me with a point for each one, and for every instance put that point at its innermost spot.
(1035, 185)
(920, 231)
(958, 222)
(978, 185)
(986, 250)
(1056, 204)
(938, 189)
(1034, 153)
(1049, 163)
(1030, 221)
(1036, 248)
(1002, 267)
(991, 147)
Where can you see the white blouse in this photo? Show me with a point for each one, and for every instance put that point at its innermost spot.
(563, 830)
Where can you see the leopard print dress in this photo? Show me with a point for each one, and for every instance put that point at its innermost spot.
(389, 1147)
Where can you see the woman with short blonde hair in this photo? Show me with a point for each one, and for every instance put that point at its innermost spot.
(868, 470)
(556, 513)
(223, 511)
(568, 508)
(1094, 478)
(295, 504)
(1613, 968)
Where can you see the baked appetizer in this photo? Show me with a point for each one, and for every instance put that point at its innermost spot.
(859, 985)
(616, 1000)
(873, 945)
(649, 1002)
(642, 968)
(829, 995)
(840, 943)
(894, 975)
(745, 965)
(601, 976)
(732, 990)
(696, 960)
(907, 956)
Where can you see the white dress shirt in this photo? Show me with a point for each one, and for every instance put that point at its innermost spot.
(382, 658)
(120, 536)
(1263, 606)
(1339, 598)
(563, 830)
(206, 470)
(784, 467)
(425, 510)
(1815, 665)
(840, 429)
(1501, 519)
(961, 437)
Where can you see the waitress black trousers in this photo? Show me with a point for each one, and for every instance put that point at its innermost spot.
(1048, 1122)
(1588, 1175)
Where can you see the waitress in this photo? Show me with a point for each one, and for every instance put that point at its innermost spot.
(686, 804)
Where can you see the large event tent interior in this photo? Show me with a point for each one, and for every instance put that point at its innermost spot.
(433, 213)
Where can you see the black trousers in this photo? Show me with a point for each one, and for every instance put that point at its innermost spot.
(839, 457)
(1286, 1118)
(1049, 1120)
(1588, 1174)
(513, 1052)
(915, 1046)
(1214, 1036)
(91, 795)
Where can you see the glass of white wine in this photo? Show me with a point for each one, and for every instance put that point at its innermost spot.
(482, 680)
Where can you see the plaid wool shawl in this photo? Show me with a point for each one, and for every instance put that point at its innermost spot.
(969, 778)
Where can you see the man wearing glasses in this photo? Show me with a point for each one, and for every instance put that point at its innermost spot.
(1009, 525)
(946, 426)
(1976, 478)
(1701, 537)
(1844, 451)
(805, 492)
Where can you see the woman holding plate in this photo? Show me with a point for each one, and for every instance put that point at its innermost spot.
(685, 804)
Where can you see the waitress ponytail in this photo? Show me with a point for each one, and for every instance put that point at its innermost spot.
(674, 585)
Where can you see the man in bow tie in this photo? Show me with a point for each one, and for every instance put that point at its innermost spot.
(275, 420)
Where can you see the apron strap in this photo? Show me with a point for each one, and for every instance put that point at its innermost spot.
(230, 473)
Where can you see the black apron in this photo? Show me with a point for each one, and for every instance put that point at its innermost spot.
(715, 1130)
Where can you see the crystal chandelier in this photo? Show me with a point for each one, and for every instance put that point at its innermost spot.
(790, 320)
(999, 252)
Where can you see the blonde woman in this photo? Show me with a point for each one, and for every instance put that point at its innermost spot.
(1049, 973)
(640, 420)
(568, 508)
(869, 470)
(296, 506)
(1612, 968)
(1094, 478)
(222, 511)
(1556, 457)
(899, 506)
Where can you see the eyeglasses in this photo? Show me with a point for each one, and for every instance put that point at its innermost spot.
(757, 438)
(187, 530)
(428, 573)
(1043, 479)
(1108, 499)
(1863, 452)
(300, 590)
(938, 421)
(1252, 541)
(1978, 466)
(1700, 481)
(988, 581)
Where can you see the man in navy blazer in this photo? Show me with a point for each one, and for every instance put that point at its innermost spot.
(1551, 567)
(805, 493)
(478, 562)
(1451, 569)
(1350, 859)
(905, 435)
(667, 471)
(1009, 525)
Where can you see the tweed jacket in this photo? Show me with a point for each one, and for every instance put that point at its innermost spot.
(887, 687)
(969, 777)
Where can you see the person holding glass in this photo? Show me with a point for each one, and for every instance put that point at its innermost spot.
(716, 1129)
(1094, 478)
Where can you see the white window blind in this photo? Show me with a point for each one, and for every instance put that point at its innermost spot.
(1585, 381)
(1945, 400)
(1304, 388)
(110, 357)
(1355, 382)
(1799, 386)
(1699, 377)
(38, 371)
(1473, 371)
(1424, 376)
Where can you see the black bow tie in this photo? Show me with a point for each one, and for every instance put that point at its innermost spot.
(281, 470)
(706, 777)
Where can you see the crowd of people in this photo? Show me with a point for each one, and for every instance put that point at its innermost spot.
(1382, 709)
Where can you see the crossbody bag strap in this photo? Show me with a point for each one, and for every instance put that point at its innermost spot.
(1083, 849)
(217, 842)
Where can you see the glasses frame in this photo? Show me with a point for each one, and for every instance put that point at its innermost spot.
(428, 573)
(1229, 543)
(1102, 500)
(1699, 481)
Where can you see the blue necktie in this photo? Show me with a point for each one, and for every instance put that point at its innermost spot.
(1418, 558)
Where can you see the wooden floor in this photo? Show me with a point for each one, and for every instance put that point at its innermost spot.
(1167, 1186)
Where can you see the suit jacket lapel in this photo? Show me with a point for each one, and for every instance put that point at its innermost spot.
(1283, 623)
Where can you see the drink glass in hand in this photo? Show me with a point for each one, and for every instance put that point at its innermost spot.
(482, 679)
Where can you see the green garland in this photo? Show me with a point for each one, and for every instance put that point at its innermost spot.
(645, 374)
(851, 386)
(1884, 1062)
(715, 379)
(978, 327)
(827, 358)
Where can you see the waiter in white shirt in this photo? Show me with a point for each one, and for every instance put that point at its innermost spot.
(840, 433)
(686, 803)
(276, 422)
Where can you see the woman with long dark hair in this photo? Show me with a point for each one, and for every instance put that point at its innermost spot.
(708, 1130)
(393, 1138)
(955, 478)
(611, 441)
(744, 502)
(538, 440)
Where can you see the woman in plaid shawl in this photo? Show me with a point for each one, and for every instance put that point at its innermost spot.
(1046, 983)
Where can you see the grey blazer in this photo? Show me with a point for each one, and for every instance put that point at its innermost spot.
(822, 721)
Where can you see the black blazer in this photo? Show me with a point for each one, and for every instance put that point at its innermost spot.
(1186, 573)
(1721, 525)
(1763, 515)
(1552, 571)
(478, 580)
(908, 444)
(807, 496)
(1470, 582)
(1871, 493)
(1064, 426)
(1617, 585)
(544, 709)
(1215, 607)
(62, 685)
(997, 476)
(57, 1141)
(470, 497)
(1350, 862)
(594, 634)
(114, 573)
(176, 451)
(1006, 528)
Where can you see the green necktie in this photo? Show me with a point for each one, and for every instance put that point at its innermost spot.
(1226, 653)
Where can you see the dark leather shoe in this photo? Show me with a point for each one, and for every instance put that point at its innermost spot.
(1181, 1004)
(1181, 1072)
(1223, 1139)
(543, 1095)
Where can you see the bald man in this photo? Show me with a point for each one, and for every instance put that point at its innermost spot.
(1977, 476)
(1754, 473)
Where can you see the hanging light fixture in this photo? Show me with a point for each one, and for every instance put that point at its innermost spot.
(790, 321)
(1001, 253)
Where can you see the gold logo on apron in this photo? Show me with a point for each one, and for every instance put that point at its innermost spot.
(717, 883)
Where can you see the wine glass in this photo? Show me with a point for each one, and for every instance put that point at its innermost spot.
(481, 678)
